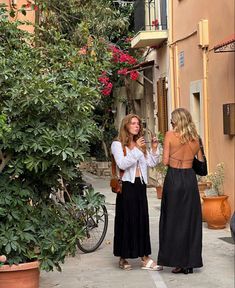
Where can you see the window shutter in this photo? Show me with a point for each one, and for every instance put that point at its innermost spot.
(162, 106)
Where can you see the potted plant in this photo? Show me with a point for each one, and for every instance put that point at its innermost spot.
(160, 176)
(160, 168)
(203, 184)
(36, 233)
(216, 209)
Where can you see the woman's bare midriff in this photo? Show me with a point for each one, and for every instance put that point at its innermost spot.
(137, 174)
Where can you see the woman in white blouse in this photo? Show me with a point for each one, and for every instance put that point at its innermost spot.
(131, 230)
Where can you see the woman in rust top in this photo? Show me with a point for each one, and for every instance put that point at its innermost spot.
(180, 227)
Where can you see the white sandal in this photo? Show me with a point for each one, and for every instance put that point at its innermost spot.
(149, 266)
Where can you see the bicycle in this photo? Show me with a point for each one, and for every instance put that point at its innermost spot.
(90, 211)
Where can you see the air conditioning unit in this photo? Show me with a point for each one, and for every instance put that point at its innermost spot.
(203, 33)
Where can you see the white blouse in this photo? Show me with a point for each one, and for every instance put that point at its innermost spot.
(133, 158)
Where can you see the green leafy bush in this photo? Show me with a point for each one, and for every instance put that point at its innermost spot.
(48, 93)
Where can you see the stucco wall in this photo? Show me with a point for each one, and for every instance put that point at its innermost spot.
(30, 15)
(220, 73)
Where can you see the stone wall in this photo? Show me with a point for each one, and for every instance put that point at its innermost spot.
(99, 168)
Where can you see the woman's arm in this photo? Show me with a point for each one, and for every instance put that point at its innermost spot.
(153, 157)
(124, 162)
(166, 148)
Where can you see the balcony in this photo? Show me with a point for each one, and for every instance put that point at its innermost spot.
(150, 23)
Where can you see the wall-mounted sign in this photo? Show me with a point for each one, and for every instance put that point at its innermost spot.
(181, 59)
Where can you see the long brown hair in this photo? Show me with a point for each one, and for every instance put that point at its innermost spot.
(124, 135)
(183, 124)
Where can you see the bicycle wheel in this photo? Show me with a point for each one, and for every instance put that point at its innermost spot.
(95, 230)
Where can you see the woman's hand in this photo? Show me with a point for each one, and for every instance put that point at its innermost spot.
(154, 144)
(140, 144)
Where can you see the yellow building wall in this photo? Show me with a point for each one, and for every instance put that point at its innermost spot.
(219, 75)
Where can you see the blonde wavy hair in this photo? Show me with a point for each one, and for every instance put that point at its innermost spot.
(124, 135)
(183, 124)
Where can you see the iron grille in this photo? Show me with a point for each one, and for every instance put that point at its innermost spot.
(150, 15)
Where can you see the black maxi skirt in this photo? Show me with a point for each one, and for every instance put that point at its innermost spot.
(180, 227)
(131, 227)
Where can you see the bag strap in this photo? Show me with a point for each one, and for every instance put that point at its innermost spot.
(114, 165)
(201, 147)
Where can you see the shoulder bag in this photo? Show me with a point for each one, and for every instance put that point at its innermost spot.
(116, 181)
(200, 167)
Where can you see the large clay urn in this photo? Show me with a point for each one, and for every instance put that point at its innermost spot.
(25, 275)
(216, 211)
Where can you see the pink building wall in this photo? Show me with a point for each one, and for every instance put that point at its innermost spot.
(30, 15)
(220, 73)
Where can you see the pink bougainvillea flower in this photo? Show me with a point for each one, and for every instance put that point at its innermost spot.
(106, 91)
(103, 80)
(124, 58)
(122, 71)
(128, 39)
(132, 60)
(114, 49)
(82, 51)
(134, 75)
(109, 85)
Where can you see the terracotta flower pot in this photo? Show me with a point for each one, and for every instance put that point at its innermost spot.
(24, 275)
(216, 211)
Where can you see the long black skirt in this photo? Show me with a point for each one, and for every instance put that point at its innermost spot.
(180, 227)
(131, 227)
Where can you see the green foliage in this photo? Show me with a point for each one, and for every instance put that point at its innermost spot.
(160, 138)
(92, 25)
(161, 171)
(78, 19)
(32, 228)
(48, 96)
(48, 93)
(217, 180)
(160, 168)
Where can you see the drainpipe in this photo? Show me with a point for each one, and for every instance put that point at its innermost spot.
(205, 97)
(171, 52)
(177, 100)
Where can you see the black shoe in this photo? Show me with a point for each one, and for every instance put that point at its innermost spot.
(190, 270)
(178, 270)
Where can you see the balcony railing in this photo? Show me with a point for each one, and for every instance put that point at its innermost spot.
(150, 15)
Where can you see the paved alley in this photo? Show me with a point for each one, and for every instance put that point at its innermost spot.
(100, 268)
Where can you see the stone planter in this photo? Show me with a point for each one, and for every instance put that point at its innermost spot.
(25, 275)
